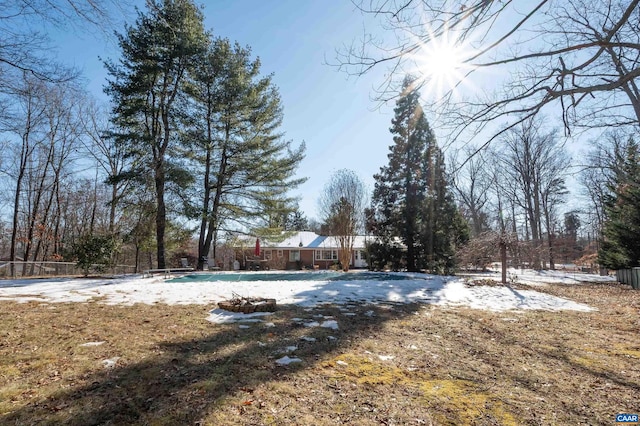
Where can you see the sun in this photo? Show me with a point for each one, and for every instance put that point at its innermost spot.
(441, 63)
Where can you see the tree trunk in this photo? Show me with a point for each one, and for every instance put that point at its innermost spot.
(550, 237)
(161, 216)
(36, 208)
(112, 208)
(16, 211)
(503, 258)
(203, 250)
(212, 232)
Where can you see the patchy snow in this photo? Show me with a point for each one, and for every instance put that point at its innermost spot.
(502, 298)
(285, 360)
(220, 316)
(111, 362)
(90, 344)
(531, 277)
(415, 288)
(332, 324)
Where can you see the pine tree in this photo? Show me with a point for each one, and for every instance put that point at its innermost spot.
(411, 199)
(246, 167)
(146, 85)
(446, 229)
(620, 248)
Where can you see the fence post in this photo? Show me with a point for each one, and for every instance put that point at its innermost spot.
(635, 278)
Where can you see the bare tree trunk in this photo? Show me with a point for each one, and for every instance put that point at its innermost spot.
(25, 154)
(206, 199)
(221, 176)
(550, 238)
(57, 233)
(33, 217)
(161, 215)
(94, 206)
(16, 209)
(503, 258)
(515, 247)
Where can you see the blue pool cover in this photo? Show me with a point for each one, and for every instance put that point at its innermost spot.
(293, 276)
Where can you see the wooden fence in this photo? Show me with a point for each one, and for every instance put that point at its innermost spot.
(629, 276)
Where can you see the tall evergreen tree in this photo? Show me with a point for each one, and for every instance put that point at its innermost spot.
(412, 194)
(620, 248)
(444, 229)
(247, 167)
(145, 86)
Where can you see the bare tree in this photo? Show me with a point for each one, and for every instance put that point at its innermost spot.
(504, 206)
(472, 184)
(341, 205)
(23, 44)
(23, 122)
(41, 128)
(577, 56)
(100, 144)
(62, 135)
(535, 163)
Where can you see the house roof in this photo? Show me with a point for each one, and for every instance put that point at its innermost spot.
(311, 240)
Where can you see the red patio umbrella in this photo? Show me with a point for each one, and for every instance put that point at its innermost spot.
(257, 250)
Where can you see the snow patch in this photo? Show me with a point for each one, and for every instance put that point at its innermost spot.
(285, 360)
(416, 288)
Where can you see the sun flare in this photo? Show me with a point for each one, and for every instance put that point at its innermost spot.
(442, 64)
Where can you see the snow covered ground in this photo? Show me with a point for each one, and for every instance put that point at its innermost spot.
(419, 288)
(531, 277)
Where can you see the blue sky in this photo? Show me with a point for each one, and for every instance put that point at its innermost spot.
(331, 112)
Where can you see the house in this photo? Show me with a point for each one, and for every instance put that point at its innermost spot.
(307, 249)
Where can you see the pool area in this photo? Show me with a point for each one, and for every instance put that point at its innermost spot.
(293, 276)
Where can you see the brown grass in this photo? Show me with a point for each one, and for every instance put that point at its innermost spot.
(389, 364)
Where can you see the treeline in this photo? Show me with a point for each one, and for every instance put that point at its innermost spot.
(192, 136)
(527, 196)
(522, 200)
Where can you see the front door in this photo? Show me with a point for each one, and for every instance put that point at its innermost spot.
(360, 261)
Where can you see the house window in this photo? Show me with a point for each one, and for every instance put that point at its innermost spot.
(279, 254)
(326, 254)
(267, 254)
(294, 255)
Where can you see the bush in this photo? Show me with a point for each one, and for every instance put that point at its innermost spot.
(94, 252)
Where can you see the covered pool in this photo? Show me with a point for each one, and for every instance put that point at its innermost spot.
(293, 276)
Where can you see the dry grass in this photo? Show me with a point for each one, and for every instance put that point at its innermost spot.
(391, 364)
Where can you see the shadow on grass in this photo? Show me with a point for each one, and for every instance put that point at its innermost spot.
(545, 363)
(184, 380)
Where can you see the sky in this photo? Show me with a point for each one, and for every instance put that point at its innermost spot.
(334, 114)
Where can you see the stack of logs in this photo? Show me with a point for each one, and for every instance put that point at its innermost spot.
(248, 305)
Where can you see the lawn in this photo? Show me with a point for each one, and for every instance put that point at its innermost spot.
(387, 363)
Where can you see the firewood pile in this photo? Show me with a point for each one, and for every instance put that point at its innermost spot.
(248, 305)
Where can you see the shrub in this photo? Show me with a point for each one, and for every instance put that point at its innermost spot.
(94, 252)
